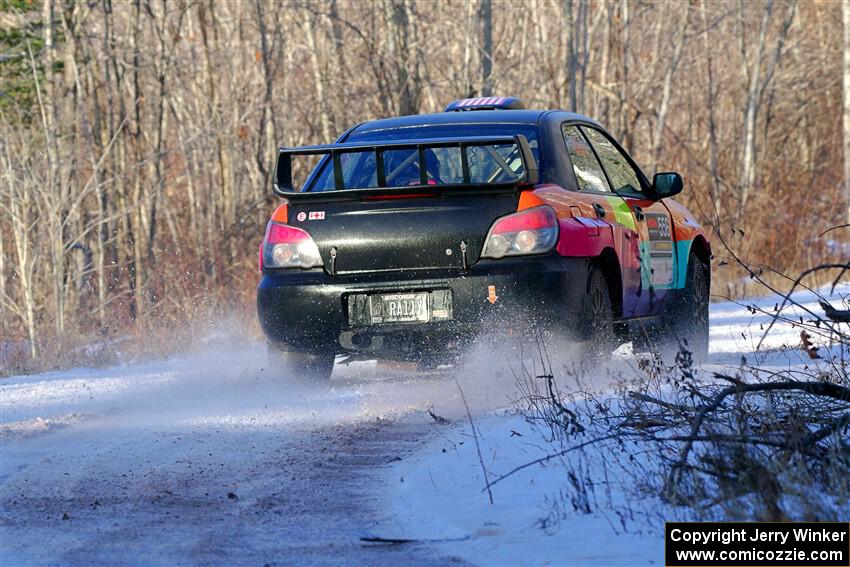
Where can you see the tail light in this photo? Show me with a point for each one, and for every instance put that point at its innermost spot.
(285, 246)
(532, 231)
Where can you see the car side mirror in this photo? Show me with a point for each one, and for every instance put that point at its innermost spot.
(666, 185)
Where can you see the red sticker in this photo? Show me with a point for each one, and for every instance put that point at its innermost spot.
(317, 215)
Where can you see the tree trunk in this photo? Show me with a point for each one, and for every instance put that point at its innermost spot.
(404, 60)
(748, 169)
(601, 105)
(666, 91)
(625, 91)
(3, 294)
(20, 205)
(338, 65)
(318, 77)
(486, 48)
(710, 104)
(845, 12)
(570, 64)
(755, 95)
(582, 53)
(468, 89)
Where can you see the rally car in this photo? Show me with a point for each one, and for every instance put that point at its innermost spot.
(413, 235)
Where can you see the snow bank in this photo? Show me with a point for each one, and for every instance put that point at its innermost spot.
(438, 494)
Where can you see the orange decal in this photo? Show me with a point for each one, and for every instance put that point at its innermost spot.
(491, 294)
(528, 199)
(281, 214)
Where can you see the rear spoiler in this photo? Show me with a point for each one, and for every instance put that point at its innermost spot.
(283, 170)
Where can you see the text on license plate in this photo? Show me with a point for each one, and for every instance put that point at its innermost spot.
(399, 308)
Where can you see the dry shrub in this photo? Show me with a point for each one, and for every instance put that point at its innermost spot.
(673, 441)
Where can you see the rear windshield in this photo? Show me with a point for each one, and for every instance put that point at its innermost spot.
(487, 164)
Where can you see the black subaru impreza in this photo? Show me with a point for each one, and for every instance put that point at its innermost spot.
(413, 235)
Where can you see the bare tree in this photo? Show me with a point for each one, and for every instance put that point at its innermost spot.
(845, 12)
(319, 76)
(405, 55)
(758, 80)
(571, 62)
(140, 134)
(19, 211)
(486, 15)
(678, 44)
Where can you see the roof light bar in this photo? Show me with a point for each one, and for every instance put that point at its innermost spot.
(486, 103)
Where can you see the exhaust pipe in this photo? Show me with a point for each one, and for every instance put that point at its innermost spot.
(351, 340)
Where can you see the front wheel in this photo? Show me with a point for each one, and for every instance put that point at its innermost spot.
(312, 366)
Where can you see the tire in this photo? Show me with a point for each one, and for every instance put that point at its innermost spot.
(314, 366)
(596, 326)
(689, 314)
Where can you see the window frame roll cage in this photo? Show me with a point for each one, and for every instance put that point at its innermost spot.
(284, 187)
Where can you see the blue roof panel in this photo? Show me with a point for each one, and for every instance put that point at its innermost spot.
(471, 117)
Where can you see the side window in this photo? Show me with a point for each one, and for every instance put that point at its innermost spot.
(622, 175)
(589, 173)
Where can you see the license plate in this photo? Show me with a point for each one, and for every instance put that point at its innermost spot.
(399, 308)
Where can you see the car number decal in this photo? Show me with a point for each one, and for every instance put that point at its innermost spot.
(660, 248)
(302, 216)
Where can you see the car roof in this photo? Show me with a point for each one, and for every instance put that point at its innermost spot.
(471, 117)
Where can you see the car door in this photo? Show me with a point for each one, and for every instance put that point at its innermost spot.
(652, 220)
(596, 201)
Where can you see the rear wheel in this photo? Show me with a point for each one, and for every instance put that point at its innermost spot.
(689, 314)
(597, 318)
(313, 366)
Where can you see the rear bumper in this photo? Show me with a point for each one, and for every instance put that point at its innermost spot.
(309, 307)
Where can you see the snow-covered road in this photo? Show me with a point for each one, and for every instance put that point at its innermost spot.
(207, 459)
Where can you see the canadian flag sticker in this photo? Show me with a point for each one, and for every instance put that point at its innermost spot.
(316, 215)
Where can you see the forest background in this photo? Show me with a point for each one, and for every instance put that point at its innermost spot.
(137, 137)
